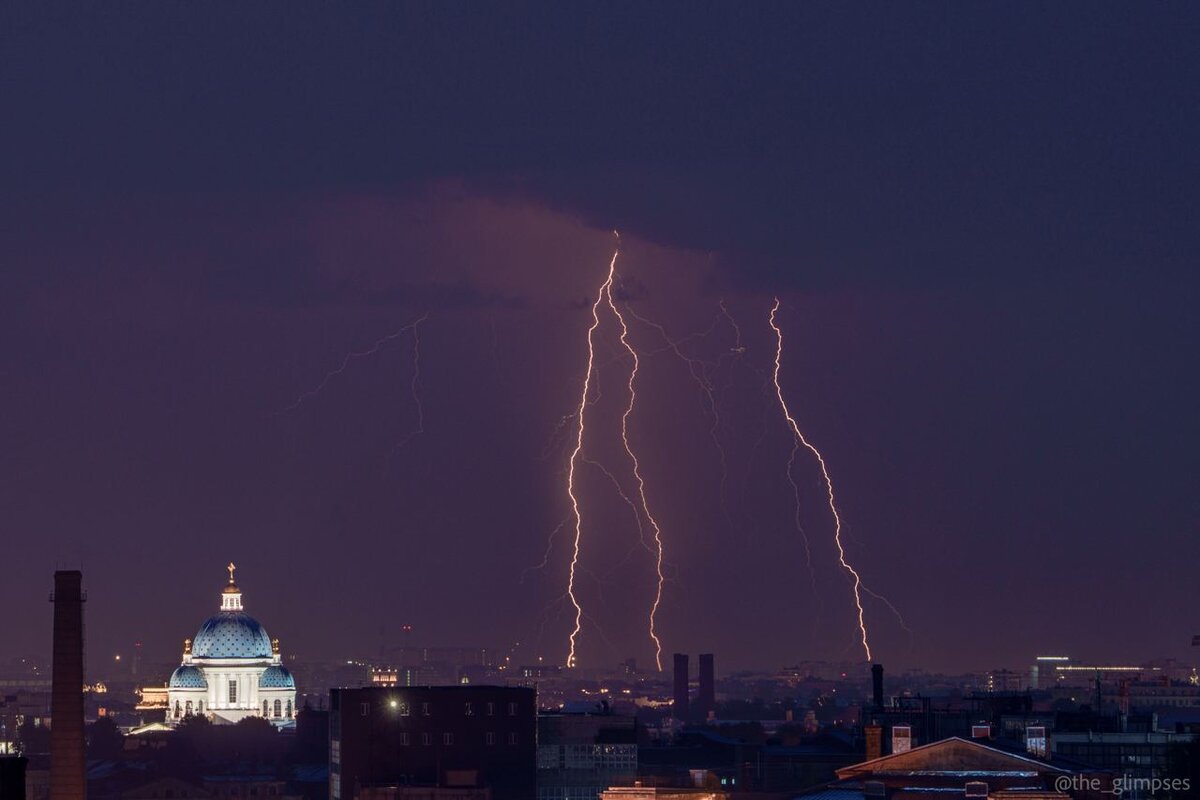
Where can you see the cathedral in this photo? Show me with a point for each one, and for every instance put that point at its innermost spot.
(232, 670)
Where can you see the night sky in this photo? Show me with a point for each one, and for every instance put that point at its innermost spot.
(980, 219)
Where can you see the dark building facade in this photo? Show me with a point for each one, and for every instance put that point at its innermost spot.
(67, 760)
(437, 736)
(706, 688)
(680, 708)
(581, 755)
(12, 777)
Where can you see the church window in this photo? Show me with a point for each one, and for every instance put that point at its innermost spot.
(278, 709)
(233, 691)
(265, 711)
(187, 709)
(289, 709)
(177, 710)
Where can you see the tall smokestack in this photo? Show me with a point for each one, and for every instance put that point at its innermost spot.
(66, 699)
(681, 687)
(706, 694)
(877, 684)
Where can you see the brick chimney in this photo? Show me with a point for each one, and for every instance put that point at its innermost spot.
(67, 765)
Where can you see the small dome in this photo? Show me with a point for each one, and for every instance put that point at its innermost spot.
(276, 677)
(231, 634)
(188, 677)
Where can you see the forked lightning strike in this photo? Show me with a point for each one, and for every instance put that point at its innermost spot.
(579, 431)
(837, 519)
(605, 295)
(637, 474)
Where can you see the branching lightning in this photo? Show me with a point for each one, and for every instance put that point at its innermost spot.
(637, 474)
(837, 519)
(580, 427)
(355, 355)
(605, 295)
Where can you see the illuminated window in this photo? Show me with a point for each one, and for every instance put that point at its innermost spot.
(187, 709)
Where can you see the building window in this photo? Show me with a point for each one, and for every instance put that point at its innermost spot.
(426, 739)
(491, 709)
(404, 738)
(289, 709)
(278, 709)
(426, 709)
(178, 709)
(447, 738)
(364, 708)
(405, 708)
(200, 707)
(489, 738)
(468, 709)
(266, 711)
(187, 709)
(512, 738)
(233, 692)
(512, 709)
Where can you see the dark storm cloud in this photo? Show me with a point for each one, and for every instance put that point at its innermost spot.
(808, 144)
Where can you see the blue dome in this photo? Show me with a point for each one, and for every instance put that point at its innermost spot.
(188, 677)
(276, 677)
(231, 634)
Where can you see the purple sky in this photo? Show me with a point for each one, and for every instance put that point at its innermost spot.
(982, 231)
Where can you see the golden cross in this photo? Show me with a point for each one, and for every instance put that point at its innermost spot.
(231, 568)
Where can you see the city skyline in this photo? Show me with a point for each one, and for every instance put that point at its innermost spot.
(253, 312)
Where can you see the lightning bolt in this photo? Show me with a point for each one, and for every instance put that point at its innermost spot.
(701, 372)
(414, 388)
(637, 473)
(580, 427)
(356, 355)
(837, 518)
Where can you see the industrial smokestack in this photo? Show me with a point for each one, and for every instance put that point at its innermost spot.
(67, 764)
(706, 692)
(681, 687)
(877, 684)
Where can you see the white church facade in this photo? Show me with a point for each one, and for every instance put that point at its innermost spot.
(231, 670)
